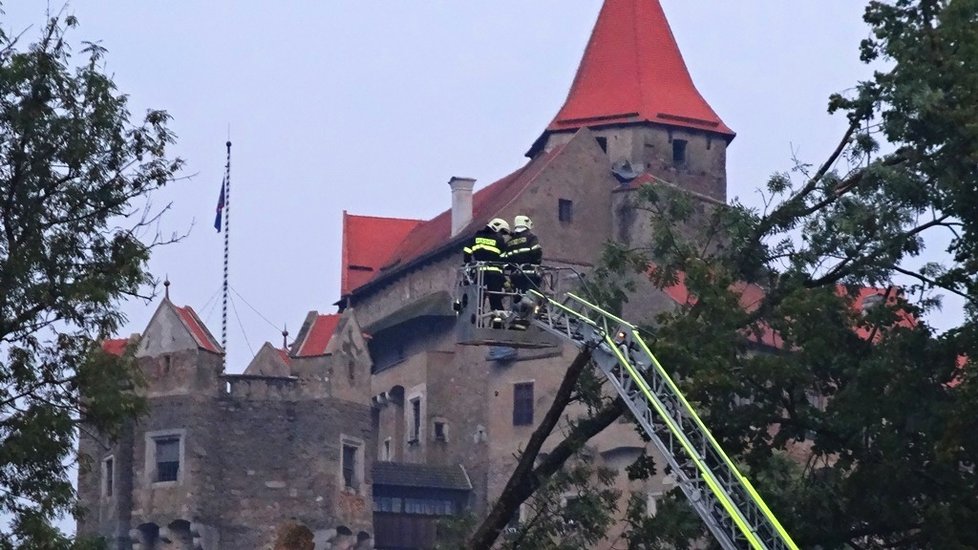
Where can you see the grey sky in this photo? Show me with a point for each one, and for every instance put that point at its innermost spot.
(372, 106)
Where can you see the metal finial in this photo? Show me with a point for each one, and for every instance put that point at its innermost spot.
(285, 337)
(166, 287)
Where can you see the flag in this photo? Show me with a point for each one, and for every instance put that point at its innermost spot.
(220, 208)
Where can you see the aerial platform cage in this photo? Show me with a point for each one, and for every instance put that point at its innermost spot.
(476, 326)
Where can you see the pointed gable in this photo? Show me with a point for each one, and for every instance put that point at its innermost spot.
(368, 242)
(269, 361)
(315, 335)
(633, 71)
(174, 328)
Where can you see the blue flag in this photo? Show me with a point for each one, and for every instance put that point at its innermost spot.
(220, 209)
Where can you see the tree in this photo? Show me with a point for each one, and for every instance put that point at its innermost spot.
(851, 416)
(76, 231)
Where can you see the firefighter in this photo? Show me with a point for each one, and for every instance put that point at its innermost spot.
(523, 255)
(488, 245)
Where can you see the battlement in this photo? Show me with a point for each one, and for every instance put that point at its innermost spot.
(260, 387)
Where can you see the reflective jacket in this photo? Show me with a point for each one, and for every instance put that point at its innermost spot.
(523, 248)
(485, 246)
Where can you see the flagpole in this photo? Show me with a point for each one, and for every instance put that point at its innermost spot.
(227, 248)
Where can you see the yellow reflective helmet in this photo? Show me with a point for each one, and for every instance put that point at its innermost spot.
(522, 222)
(499, 225)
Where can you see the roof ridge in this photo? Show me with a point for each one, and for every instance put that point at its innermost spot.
(388, 218)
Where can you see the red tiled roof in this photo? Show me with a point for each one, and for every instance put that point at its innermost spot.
(284, 354)
(633, 71)
(115, 346)
(319, 334)
(428, 236)
(751, 296)
(197, 329)
(367, 243)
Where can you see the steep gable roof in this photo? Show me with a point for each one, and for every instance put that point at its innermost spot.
(633, 71)
(269, 361)
(174, 328)
(434, 235)
(314, 336)
(368, 242)
(197, 328)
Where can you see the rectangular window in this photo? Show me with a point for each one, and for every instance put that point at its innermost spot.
(387, 449)
(167, 458)
(440, 431)
(108, 476)
(415, 420)
(565, 210)
(350, 466)
(523, 404)
(679, 152)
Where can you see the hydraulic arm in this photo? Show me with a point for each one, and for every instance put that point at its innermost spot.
(725, 500)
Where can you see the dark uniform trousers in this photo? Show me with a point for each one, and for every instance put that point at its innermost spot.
(524, 254)
(488, 246)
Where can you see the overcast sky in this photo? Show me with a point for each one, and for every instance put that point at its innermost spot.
(372, 106)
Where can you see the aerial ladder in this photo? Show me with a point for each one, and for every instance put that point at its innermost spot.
(721, 495)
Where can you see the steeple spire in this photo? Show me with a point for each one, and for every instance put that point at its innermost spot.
(633, 72)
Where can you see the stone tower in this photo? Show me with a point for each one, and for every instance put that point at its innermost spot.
(633, 90)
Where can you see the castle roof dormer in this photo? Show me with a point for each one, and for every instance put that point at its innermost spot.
(633, 72)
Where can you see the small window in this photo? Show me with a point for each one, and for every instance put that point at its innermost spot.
(440, 431)
(679, 152)
(350, 459)
(387, 449)
(565, 210)
(108, 476)
(167, 458)
(602, 143)
(523, 404)
(415, 435)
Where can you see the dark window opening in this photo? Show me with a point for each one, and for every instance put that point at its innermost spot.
(602, 143)
(709, 143)
(167, 459)
(679, 151)
(565, 210)
(350, 466)
(387, 449)
(523, 404)
(440, 431)
(109, 475)
(415, 420)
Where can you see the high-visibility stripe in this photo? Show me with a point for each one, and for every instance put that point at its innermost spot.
(467, 250)
(484, 247)
(640, 381)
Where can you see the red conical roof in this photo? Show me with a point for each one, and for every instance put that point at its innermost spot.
(632, 71)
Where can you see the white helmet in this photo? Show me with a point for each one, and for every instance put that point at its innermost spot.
(522, 223)
(498, 225)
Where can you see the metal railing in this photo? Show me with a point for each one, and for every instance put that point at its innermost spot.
(729, 505)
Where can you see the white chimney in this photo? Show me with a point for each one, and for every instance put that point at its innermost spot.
(461, 202)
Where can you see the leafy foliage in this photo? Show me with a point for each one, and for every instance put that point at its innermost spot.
(804, 343)
(76, 231)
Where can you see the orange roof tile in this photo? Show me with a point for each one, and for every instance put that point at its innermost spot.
(430, 236)
(318, 336)
(751, 296)
(367, 243)
(633, 71)
(196, 327)
(115, 346)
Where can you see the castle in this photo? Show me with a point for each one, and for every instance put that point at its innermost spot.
(376, 421)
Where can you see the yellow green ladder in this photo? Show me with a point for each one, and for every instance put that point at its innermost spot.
(730, 507)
